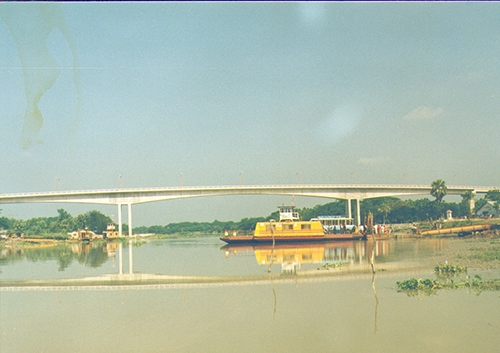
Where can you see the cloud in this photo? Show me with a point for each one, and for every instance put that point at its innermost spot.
(369, 161)
(30, 29)
(423, 113)
(341, 122)
(312, 13)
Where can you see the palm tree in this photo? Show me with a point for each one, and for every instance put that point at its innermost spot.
(439, 190)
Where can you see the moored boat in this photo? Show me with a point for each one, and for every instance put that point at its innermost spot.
(290, 229)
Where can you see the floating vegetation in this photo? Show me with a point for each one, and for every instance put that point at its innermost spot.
(329, 266)
(448, 271)
(454, 269)
(417, 286)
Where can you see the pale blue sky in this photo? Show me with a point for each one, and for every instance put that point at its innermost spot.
(375, 92)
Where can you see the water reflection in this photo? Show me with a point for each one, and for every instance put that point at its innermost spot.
(88, 254)
(292, 257)
(201, 260)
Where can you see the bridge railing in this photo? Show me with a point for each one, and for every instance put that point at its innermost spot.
(290, 186)
(92, 191)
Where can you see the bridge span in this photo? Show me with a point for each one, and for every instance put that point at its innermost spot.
(129, 197)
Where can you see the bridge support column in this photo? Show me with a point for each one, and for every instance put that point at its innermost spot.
(129, 206)
(472, 205)
(120, 220)
(357, 220)
(129, 219)
(348, 209)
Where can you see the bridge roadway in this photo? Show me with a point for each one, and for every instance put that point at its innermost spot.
(129, 197)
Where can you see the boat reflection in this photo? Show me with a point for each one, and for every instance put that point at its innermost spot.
(293, 256)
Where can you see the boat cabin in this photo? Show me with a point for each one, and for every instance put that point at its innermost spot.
(287, 213)
(289, 225)
(336, 224)
(111, 232)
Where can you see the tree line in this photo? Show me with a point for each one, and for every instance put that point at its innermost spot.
(388, 210)
(62, 224)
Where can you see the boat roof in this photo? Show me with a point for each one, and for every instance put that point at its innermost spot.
(333, 217)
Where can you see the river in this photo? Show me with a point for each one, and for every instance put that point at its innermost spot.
(190, 295)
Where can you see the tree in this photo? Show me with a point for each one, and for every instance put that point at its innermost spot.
(496, 206)
(467, 200)
(63, 214)
(385, 209)
(19, 225)
(66, 225)
(439, 190)
(378, 207)
(79, 222)
(492, 195)
(96, 221)
(5, 223)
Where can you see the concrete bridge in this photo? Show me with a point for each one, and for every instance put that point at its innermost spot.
(129, 197)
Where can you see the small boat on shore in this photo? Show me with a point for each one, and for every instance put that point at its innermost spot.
(290, 229)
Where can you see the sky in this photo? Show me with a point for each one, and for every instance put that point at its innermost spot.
(263, 93)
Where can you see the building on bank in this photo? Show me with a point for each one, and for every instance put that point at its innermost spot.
(488, 209)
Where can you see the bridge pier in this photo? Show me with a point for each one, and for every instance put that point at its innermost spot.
(357, 218)
(357, 221)
(120, 221)
(129, 219)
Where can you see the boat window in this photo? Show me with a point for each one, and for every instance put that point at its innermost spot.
(287, 226)
(268, 226)
(305, 226)
(307, 256)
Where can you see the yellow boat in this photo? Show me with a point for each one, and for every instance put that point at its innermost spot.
(289, 229)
